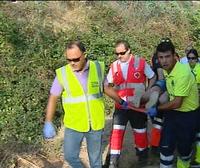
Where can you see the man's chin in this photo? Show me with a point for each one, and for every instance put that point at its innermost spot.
(75, 69)
(123, 61)
(165, 67)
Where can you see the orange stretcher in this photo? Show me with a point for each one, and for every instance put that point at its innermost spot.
(142, 110)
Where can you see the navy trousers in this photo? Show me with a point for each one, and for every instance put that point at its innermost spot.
(178, 132)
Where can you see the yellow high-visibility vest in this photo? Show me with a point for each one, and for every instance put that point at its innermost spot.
(83, 110)
(196, 72)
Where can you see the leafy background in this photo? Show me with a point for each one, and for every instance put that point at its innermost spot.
(33, 36)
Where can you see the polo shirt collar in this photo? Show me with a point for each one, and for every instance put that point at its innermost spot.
(86, 67)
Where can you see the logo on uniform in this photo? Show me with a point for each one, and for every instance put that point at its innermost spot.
(95, 84)
(137, 75)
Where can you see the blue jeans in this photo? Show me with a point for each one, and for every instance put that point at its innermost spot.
(72, 144)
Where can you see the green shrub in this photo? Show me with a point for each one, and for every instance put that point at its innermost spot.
(32, 42)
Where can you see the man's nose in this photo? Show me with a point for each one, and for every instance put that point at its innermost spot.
(164, 60)
(72, 62)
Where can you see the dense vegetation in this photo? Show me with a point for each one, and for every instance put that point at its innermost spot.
(33, 36)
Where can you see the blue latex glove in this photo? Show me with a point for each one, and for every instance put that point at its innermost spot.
(49, 130)
(124, 104)
(152, 111)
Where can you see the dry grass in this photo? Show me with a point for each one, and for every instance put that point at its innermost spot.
(63, 16)
(145, 24)
(66, 18)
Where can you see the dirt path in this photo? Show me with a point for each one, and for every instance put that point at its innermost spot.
(127, 159)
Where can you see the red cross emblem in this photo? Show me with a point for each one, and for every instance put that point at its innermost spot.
(136, 75)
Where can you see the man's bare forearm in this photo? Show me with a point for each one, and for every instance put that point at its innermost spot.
(51, 107)
(174, 104)
(111, 92)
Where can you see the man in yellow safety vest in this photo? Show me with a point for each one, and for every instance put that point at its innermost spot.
(81, 83)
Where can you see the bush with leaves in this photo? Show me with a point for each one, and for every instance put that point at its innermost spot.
(33, 38)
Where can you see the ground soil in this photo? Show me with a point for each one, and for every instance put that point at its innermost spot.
(39, 160)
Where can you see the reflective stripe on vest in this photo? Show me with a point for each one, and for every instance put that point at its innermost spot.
(65, 83)
(81, 99)
(129, 85)
(100, 74)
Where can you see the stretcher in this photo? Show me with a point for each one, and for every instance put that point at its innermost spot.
(138, 109)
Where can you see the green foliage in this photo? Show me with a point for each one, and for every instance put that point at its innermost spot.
(32, 42)
(195, 23)
(25, 78)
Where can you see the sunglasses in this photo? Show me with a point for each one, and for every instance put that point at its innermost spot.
(165, 40)
(74, 60)
(191, 58)
(121, 53)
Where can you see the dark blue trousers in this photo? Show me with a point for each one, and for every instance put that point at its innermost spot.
(178, 132)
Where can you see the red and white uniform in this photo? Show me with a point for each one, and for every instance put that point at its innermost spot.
(126, 76)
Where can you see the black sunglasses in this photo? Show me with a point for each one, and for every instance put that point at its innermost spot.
(74, 60)
(121, 53)
(191, 58)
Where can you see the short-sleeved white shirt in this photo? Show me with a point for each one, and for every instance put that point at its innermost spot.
(184, 60)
